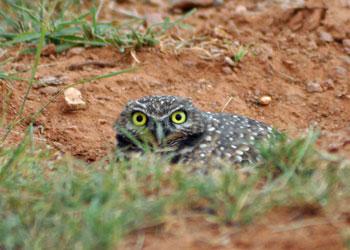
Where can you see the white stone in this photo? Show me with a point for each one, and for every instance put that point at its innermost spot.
(265, 100)
(73, 99)
(241, 9)
(326, 37)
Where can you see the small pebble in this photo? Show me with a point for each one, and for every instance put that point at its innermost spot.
(229, 61)
(329, 84)
(241, 9)
(326, 37)
(265, 100)
(73, 100)
(313, 87)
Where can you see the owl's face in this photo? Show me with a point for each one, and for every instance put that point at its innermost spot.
(160, 121)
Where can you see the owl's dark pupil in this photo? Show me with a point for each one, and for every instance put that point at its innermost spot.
(139, 118)
(178, 117)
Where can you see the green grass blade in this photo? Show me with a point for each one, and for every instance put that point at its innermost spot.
(23, 37)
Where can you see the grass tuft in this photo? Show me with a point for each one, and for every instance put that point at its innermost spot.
(21, 22)
(67, 203)
(240, 54)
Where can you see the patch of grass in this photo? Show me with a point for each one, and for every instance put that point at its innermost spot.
(65, 203)
(240, 54)
(24, 22)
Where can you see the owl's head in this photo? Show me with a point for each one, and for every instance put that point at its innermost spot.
(160, 121)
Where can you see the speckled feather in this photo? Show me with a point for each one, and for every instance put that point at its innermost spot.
(204, 137)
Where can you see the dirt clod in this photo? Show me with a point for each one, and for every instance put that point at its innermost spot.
(50, 80)
(313, 87)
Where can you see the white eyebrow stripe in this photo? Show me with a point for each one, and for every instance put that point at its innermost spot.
(141, 104)
(170, 112)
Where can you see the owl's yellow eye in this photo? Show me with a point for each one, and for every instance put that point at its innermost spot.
(178, 117)
(139, 119)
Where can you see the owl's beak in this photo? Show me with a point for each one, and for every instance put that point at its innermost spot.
(159, 133)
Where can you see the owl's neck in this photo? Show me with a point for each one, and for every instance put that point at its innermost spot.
(185, 147)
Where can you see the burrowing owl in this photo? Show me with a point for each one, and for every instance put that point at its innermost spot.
(172, 126)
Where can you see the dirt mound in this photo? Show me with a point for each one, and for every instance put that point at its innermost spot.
(286, 228)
